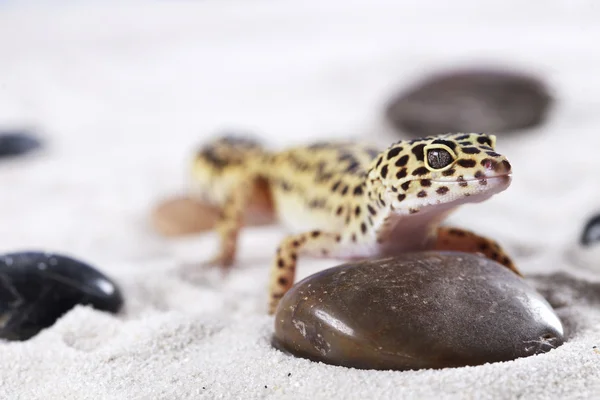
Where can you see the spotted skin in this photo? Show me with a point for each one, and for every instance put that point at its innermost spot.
(469, 242)
(351, 201)
(283, 270)
(230, 222)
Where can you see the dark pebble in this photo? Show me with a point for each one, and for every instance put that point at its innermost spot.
(420, 310)
(16, 143)
(37, 288)
(490, 101)
(591, 232)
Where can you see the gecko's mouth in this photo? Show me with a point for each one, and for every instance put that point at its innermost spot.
(493, 178)
(444, 195)
(472, 190)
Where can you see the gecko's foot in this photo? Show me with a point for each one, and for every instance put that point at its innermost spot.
(220, 260)
(273, 303)
(205, 272)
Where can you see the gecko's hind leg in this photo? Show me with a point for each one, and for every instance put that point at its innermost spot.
(183, 216)
(229, 222)
(250, 204)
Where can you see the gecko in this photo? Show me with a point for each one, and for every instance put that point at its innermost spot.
(348, 200)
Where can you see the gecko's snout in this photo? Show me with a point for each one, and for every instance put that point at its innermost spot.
(493, 167)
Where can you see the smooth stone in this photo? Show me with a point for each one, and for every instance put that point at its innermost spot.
(16, 143)
(477, 100)
(38, 288)
(591, 232)
(181, 216)
(419, 310)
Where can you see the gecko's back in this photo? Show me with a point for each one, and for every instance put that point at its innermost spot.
(218, 165)
(309, 185)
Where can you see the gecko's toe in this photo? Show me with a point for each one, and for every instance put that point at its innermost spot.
(209, 272)
(220, 260)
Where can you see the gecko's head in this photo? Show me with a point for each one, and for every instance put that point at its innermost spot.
(446, 170)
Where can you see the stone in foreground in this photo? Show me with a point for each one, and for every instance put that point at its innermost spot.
(477, 100)
(419, 310)
(38, 288)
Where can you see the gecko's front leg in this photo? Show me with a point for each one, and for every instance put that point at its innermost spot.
(462, 240)
(283, 271)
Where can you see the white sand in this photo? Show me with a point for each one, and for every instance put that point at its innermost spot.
(123, 93)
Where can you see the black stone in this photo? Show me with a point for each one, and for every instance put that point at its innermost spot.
(419, 310)
(478, 100)
(37, 288)
(591, 232)
(16, 143)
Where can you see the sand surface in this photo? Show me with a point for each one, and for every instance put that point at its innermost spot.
(122, 94)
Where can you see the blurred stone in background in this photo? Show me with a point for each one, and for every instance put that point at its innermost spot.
(475, 100)
(586, 252)
(17, 142)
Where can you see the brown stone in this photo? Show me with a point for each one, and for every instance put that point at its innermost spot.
(476, 100)
(419, 310)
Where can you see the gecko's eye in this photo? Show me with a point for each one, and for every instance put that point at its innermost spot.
(439, 158)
